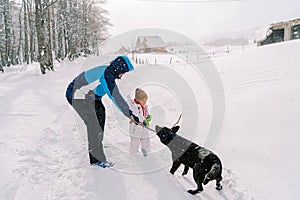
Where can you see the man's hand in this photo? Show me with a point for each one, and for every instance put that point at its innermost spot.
(135, 119)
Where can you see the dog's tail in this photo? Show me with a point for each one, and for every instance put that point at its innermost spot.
(213, 173)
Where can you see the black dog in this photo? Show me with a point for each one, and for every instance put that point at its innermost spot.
(205, 164)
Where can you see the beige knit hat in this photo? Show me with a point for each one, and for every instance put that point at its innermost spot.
(140, 94)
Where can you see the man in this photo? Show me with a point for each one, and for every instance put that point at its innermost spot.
(92, 111)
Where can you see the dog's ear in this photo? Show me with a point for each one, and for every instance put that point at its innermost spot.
(175, 129)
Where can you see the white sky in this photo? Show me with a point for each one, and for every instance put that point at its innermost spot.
(197, 20)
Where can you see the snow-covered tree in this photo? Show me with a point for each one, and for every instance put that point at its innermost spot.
(2, 34)
(7, 24)
(43, 30)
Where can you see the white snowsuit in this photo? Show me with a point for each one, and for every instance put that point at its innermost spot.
(138, 134)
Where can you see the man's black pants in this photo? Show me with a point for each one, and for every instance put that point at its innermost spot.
(92, 112)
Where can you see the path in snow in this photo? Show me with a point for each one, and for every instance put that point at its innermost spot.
(43, 151)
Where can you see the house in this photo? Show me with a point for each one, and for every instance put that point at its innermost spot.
(282, 31)
(122, 50)
(146, 44)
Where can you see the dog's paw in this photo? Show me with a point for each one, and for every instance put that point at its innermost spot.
(219, 187)
(193, 192)
(172, 173)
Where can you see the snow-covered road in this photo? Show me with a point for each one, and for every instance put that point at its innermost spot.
(43, 151)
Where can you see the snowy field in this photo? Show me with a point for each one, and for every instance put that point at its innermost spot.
(43, 151)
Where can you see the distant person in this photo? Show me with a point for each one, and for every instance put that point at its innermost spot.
(92, 111)
(139, 135)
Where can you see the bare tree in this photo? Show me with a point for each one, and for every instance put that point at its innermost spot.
(35, 29)
(7, 30)
(2, 35)
(42, 19)
(25, 22)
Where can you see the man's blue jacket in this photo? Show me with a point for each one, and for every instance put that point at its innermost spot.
(107, 85)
